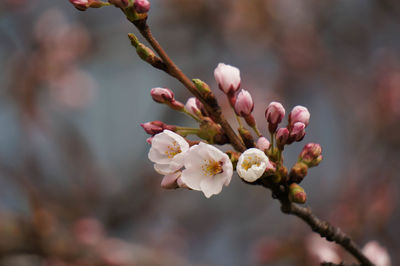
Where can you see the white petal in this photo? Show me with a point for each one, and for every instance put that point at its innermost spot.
(192, 178)
(166, 169)
(212, 185)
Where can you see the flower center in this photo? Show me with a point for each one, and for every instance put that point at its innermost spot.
(173, 150)
(211, 167)
(249, 161)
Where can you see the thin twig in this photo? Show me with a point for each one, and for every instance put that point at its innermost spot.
(210, 103)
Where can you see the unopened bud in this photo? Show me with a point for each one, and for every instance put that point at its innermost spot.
(119, 3)
(227, 77)
(244, 104)
(298, 172)
(134, 40)
(297, 194)
(311, 154)
(81, 5)
(247, 137)
(201, 86)
(155, 127)
(162, 95)
(299, 114)
(145, 53)
(263, 144)
(141, 6)
(282, 136)
(274, 115)
(192, 106)
(297, 132)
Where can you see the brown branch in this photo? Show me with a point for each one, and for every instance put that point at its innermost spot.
(210, 103)
(280, 192)
(323, 228)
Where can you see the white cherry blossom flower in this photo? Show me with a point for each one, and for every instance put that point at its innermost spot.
(207, 169)
(168, 152)
(252, 164)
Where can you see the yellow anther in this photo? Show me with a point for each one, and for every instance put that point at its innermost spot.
(211, 167)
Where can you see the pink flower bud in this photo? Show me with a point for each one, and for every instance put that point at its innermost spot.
(274, 115)
(119, 3)
(192, 105)
(142, 6)
(149, 140)
(263, 144)
(311, 154)
(282, 136)
(162, 95)
(297, 132)
(299, 114)
(227, 77)
(244, 104)
(155, 127)
(81, 5)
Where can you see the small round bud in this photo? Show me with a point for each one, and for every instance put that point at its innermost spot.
(297, 132)
(155, 127)
(299, 114)
(298, 172)
(274, 115)
(297, 194)
(142, 6)
(244, 104)
(282, 136)
(263, 144)
(192, 106)
(162, 95)
(201, 86)
(81, 5)
(227, 77)
(311, 154)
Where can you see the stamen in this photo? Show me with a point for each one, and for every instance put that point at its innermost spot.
(249, 161)
(211, 167)
(173, 150)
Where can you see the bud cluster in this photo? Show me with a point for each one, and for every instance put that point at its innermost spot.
(261, 162)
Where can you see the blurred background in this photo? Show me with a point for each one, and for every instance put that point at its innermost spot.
(76, 187)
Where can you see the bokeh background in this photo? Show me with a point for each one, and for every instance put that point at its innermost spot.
(76, 187)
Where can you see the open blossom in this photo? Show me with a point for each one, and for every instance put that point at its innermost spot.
(227, 77)
(207, 169)
(252, 164)
(244, 104)
(377, 254)
(168, 152)
(299, 114)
